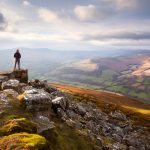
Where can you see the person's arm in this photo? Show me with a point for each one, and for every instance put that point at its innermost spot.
(19, 55)
(15, 55)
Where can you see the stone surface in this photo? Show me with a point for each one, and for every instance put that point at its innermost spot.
(59, 102)
(44, 125)
(132, 148)
(21, 75)
(11, 92)
(118, 115)
(36, 99)
(2, 79)
(11, 84)
(61, 113)
(5, 98)
(99, 141)
(80, 109)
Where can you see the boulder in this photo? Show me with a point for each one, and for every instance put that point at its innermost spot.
(119, 131)
(132, 148)
(80, 110)
(133, 140)
(59, 102)
(118, 115)
(36, 100)
(26, 88)
(4, 99)
(11, 92)
(35, 83)
(11, 84)
(44, 125)
(70, 123)
(79, 125)
(42, 85)
(117, 138)
(61, 114)
(99, 141)
(50, 89)
(71, 114)
(2, 79)
(118, 146)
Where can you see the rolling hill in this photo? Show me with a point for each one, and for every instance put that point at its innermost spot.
(129, 75)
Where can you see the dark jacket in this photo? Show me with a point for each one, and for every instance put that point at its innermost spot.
(17, 55)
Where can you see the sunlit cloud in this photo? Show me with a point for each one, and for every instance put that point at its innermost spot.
(26, 3)
(86, 12)
(48, 16)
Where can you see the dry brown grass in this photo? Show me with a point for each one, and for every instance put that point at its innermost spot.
(138, 111)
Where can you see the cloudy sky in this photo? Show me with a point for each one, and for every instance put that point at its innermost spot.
(75, 24)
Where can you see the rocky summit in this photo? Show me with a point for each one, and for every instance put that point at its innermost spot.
(35, 115)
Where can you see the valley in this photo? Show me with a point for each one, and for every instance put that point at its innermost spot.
(128, 75)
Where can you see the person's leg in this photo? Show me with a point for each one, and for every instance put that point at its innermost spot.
(15, 64)
(19, 64)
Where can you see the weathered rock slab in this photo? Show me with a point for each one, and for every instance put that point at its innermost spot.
(36, 99)
(21, 75)
(10, 84)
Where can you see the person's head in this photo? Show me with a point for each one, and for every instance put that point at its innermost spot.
(17, 50)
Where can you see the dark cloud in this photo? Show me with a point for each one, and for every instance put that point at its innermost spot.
(120, 35)
(2, 22)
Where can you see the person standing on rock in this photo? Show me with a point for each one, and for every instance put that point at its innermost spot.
(17, 57)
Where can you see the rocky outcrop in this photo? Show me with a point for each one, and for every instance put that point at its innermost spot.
(20, 75)
(119, 132)
(112, 131)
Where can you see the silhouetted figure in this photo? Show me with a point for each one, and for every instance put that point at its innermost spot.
(17, 57)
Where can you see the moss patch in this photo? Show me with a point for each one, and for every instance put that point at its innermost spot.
(23, 141)
(18, 125)
(107, 141)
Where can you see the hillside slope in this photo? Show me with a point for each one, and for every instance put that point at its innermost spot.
(131, 107)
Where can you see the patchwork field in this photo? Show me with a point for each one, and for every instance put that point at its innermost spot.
(128, 75)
